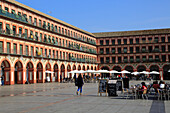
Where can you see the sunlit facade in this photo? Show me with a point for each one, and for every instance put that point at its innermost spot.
(32, 43)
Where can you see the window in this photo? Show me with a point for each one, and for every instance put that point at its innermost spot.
(163, 48)
(137, 59)
(150, 58)
(113, 60)
(163, 58)
(15, 49)
(1, 46)
(32, 51)
(131, 41)
(102, 60)
(125, 49)
(45, 38)
(119, 50)
(168, 38)
(157, 58)
(40, 37)
(55, 28)
(150, 40)
(35, 21)
(137, 40)
(144, 58)
(30, 19)
(21, 49)
(0, 25)
(48, 26)
(26, 50)
(53, 54)
(131, 49)
(113, 50)
(13, 11)
(26, 33)
(65, 31)
(59, 30)
(49, 55)
(56, 54)
(107, 50)
(131, 59)
(44, 24)
(156, 40)
(52, 27)
(7, 29)
(62, 30)
(8, 47)
(163, 39)
(119, 41)
(125, 41)
(137, 49)
(14, 30)
(125, 60)
(20, 30)
(113, 42)
(119, 59)
(150, 49)
(168, 48)
(143, 40)
(101, 50)
(101, 42)
(40, 23)
(6, 9)
(45, 52)
(107, 42)
(144, 49)
(60, 55)
(36, 36)
(107, 59)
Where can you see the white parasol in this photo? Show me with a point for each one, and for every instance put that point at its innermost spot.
(114, 71)
(49, 72)
(135, 73)
(102, 71)
(154, 72)
(144, 72)
(124, 71)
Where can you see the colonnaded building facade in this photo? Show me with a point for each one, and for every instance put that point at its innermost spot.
(144, 50)
(32, 42)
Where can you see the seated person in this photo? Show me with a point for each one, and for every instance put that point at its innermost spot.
(155, 86)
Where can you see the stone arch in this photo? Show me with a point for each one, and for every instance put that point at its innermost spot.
(141, 68)
(47, 74)
(18, 72)
(87, 67)
(166, 74)
(154, 68)
(79, 67)
(39, 72)
(117, 68)
(68, 70)
(30, 72)
(95, 68)
(104, 75)
(84, 67)
(56, 72)
(6, 71)
(62, 76)
(130, 69)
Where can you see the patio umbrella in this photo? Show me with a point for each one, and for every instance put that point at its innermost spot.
(102, 71)
(114, 71)
(124, 71)
(135, 73)
(169, 70)
(154, 72)
(144, 72)
(49, 72)
(90, 71)
(74, 71)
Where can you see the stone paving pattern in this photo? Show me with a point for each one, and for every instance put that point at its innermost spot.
(62, 98)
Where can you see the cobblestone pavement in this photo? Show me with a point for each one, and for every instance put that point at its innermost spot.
(62, 98)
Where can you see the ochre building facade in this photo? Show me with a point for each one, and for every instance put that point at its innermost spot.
(34, 45)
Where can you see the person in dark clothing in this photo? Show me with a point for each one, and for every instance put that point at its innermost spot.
(79, 84)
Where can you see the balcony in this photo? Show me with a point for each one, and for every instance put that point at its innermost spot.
(131, 60)
(24, 19)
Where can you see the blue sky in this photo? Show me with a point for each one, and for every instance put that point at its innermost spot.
(107, 15)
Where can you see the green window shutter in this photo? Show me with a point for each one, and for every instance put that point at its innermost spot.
(15, 47)
(26, 50)
(1, 46)
(8, 47)
(21, 49)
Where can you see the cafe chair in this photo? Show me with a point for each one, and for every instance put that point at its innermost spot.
(145, 94)
(125, 93)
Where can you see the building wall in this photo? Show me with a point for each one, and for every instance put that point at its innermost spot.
(150, 51)
(36, 43)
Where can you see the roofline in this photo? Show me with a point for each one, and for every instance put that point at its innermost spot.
(47, 16)
(132, 33)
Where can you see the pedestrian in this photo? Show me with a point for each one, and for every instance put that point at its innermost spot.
(60, 78)
(79, 84)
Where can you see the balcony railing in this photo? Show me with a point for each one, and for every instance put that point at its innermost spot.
(24, 19)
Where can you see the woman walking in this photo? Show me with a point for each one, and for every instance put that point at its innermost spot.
(79, 84)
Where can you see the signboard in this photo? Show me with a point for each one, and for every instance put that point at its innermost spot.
(125, 82)
(112, 90)
(119, 85)
(102, 86)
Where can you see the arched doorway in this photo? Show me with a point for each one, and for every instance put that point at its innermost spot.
(166, 74)
(79, 67)
(18, 74)
(130, 69)
(39, 73)
(140, 69)
(30, 73)
(5, 72)
(117, 68)
(48, 68)
(83, 67)
(74, 67)
(68, 70)
(105, 75)
(87, 67)
(56, 72)
(62, 76)
(155, 76)
(92, 75)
